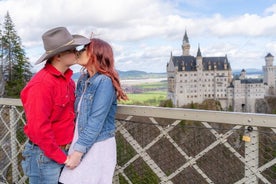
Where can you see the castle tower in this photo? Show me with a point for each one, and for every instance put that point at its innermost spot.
(269, 72)
(185, 45)
(243, 74)
(199, 59)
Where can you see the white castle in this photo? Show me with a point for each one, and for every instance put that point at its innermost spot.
(195, 79)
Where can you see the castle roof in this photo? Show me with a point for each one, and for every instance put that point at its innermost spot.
(198, 52)
(251, 81)
(185, 38)
(269, 55)
(188, 63)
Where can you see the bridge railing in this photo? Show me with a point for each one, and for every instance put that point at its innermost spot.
(168, 145)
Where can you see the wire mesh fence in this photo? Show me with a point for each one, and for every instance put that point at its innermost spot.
(165, 150)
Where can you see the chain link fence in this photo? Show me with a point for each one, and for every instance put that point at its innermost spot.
(153, 149)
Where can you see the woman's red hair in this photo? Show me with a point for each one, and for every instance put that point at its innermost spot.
(103, 60)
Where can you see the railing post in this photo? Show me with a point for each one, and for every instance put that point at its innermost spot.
(116, 178)
(13, 145)
(251, 155)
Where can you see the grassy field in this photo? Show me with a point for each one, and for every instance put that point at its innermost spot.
(153, 94)
(148, 98)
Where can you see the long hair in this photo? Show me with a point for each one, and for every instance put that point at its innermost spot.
(103, 61)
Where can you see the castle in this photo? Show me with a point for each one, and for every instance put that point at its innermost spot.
(195, 79)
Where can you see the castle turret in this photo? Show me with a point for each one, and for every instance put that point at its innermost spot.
(269, 71)
(199, 59)
(243, 74)
(186, 45)
(269, 59)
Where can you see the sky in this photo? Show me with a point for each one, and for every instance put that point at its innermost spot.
(144, 33)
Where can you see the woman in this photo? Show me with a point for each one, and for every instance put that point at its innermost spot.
(98, 90)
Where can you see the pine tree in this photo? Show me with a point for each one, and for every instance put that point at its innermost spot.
(2, 81)
(16, 67)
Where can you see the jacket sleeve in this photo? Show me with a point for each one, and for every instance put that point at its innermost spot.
(102, 102)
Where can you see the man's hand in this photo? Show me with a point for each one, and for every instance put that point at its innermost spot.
(73, 160)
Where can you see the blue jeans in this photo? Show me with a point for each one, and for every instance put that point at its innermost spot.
(39, 168)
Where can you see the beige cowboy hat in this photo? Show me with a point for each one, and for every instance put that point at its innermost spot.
(58, 40)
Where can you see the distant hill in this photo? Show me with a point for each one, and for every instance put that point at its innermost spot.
(249, 71)
(136, 74)
(132, 74)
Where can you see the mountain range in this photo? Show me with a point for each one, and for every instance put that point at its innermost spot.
(132, 74)
(136, 74)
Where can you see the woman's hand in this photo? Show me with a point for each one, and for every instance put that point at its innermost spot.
(73, 160)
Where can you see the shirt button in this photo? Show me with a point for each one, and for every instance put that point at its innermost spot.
(63, 105)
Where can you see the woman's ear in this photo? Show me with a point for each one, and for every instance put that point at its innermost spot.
(89, 54)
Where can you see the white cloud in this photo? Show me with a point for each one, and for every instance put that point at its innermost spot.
(143, 33)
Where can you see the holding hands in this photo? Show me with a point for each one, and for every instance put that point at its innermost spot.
(73, 160)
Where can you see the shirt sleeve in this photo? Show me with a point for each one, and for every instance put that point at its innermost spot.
(38, 108)
(103, 99)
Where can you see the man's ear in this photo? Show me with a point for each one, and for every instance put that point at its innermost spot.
(57, 57)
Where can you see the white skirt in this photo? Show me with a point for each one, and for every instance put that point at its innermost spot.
(97, 166)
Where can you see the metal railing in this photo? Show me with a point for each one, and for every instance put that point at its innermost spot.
(168, 145)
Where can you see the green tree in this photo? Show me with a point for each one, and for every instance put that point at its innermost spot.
(15, 64)
(2, 81)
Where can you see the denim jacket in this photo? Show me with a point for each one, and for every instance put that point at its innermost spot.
(96, 116)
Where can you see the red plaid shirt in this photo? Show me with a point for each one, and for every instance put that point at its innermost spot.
(48, 101)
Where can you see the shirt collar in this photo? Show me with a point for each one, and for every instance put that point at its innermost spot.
(50, 68)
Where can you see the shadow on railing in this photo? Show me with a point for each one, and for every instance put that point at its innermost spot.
(168, 145)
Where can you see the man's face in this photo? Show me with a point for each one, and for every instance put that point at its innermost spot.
(68, 57)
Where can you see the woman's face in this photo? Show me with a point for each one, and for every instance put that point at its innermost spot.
(83, 57)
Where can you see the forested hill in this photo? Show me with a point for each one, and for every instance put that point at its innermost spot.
(132, 74)
(136, 74)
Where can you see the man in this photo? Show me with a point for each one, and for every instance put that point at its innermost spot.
(48, 101)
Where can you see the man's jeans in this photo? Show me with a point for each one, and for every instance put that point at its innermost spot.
(39, 168)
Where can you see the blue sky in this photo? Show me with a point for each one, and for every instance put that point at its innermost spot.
(144, 33)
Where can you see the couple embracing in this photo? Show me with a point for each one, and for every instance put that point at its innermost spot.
(71, 130)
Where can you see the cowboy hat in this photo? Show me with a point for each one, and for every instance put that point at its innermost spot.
(58, 40)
